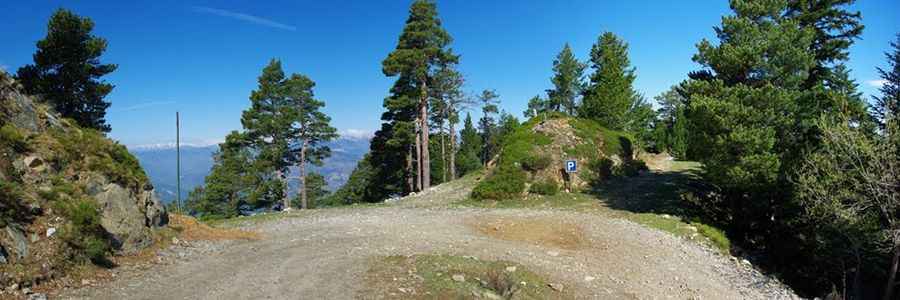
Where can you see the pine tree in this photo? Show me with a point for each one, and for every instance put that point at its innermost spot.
(834, 31)
(67, 70)
(567, 81)
(609, 95)
(316, 189)
(422, 46)
(887, 106)
(269, 126)
(536, 106)
(468, 158)
(447, 99)
(310, 127)
(488, 124)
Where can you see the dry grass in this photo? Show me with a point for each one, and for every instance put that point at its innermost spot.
(189, 229)
(544, 232)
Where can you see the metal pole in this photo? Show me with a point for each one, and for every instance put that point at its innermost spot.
(178, 159)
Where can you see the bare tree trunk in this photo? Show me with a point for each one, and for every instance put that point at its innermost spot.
(892, 273)
(303, 188)
(443, 155)
(452, 152)
(418, 157)
(426, 156)
(410, 184)
(284, 188)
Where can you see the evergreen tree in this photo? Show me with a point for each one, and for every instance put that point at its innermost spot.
(678, 136)
(447, 99)
(423, 45)
(67, 70)
(488, 125)
(508, 125)
(316, 190)
(887, 106)
(609, 95)
(567, 81)
(834, 29)
(671, 132)
(269, 126)
(310, 128)
(536, 106)
(469, 156)
(639, 121)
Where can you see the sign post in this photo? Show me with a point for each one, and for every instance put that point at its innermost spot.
(571, 167)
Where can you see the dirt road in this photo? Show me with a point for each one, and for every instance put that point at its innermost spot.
(324, 254)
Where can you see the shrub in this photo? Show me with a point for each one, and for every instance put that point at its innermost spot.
(602, 168)
(546, 188)
(12, 209)
(10, 135)
(506, 182)
(534, 163)
(101, 155)
(631, 168)
(84, 234)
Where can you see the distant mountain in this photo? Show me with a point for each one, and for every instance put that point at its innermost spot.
(159, 161)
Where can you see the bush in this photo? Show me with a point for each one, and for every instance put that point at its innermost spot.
(10, 135)
(101, 155)
(12, 210)
(84, 234)
(534, 163)
(506, 182)
(602, 168)
(631, 168)
(546, 188)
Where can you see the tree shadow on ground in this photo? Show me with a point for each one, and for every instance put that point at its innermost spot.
(653, 191)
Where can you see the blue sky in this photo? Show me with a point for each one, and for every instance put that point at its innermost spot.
(202, 57)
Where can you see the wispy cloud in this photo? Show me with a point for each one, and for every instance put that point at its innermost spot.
(3, 67)
(356, 133)
(243, 17)
(876, 83)
(143, 106)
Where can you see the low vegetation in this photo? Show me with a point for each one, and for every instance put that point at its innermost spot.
(453, 277)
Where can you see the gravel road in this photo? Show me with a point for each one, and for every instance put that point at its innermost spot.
(324, 254)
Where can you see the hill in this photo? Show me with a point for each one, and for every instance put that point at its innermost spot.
(68, 195)
(533, 158)
(160, 160)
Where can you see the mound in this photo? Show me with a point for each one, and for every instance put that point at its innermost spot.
(533, 158)
(67, 194)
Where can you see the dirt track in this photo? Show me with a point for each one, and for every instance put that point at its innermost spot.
(324, 254)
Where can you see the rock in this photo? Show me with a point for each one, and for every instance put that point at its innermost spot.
(34, 162)
(34, 238)
(589, 278)
(559, 287)
(20, 244)
(511, 269)
(553, 253)
(126, 214)
(37, 296)
(490, 295)
(459, 278)
(51, 231)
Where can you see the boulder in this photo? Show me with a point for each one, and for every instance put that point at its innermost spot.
(126, 215)
(19, 241)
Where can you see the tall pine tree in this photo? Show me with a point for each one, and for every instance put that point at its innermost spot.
(310, 128)
(469, 155)
(567, 81)
(488, 125)
(67, 70)
(423, 46)
(610, 94)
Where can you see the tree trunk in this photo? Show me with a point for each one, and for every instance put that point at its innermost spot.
(418, 157)
(892, 273)
(303, 188)
(443, 155)
(452, 152)
(284, 196)
(410, 184)
(426, 157)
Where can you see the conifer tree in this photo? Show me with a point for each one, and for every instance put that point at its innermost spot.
(536, 106)
(310, 127)
(610, 94)
(423, 45)
(567, 81)
(67, 70)
(887, 105)
(469, 155)
(447, 99)
(488, 124)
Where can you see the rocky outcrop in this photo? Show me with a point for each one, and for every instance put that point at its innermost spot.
(129, 210)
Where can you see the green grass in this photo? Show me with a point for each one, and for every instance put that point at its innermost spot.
(575, 201)
(435, 273)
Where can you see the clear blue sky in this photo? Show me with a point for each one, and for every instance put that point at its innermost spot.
(202, 57)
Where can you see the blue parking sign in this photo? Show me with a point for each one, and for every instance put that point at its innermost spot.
(571, 166)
